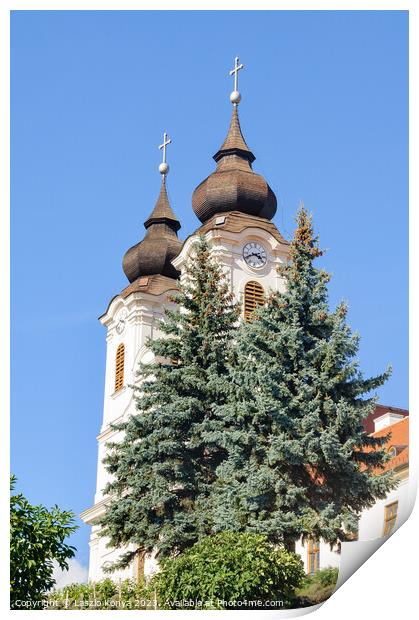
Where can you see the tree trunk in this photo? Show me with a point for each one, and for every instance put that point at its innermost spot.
(289, 545)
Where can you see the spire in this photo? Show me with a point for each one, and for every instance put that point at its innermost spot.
(162, 212)
(154, 254)
(234, 186)
(234, 144)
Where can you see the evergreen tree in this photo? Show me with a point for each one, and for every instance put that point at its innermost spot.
(163, 469)
(300, 463)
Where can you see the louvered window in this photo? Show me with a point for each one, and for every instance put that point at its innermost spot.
(119, 367)
(313, 556)
(253, 297)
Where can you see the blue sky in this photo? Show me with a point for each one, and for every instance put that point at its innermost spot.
(325, 111)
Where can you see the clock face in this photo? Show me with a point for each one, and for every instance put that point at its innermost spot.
(120, 326)
(254, 254)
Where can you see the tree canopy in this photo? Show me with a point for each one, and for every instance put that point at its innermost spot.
(300, 462)
(256, 428)
(37, 538)
(163, 469)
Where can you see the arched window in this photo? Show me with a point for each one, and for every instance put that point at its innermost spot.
(119, 367)
(254, 296)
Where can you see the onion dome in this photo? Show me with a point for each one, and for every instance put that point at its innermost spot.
(234, 186)
(153, 255)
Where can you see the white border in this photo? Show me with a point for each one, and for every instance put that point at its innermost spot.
(385, 586)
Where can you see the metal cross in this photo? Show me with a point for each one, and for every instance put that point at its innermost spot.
(235, 72)
(166, 141)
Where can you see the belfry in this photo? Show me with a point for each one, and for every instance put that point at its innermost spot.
(235, 206)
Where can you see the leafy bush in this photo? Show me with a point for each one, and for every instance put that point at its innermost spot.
(104, 594)
(229, 571)
(317, 587)
(226, 571)
(327, 576)
(37, 537)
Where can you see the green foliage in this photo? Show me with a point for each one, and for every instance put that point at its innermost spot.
(326, 576)
(105, 594)
(37, 538)
(317, 587)
(256, 429)
(229, 571)
(164, 468)
(300, 463)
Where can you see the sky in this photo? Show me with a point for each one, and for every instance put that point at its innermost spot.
(324, 109)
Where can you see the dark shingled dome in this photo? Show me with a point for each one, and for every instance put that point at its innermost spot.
(153, 255)
(234, 186)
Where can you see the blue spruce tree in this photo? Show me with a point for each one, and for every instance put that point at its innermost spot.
(163, 470)
(300, 463)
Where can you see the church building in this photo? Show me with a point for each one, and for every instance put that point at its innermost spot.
(235, 207)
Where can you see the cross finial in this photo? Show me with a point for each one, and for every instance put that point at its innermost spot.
(164, 166)
(235, 96)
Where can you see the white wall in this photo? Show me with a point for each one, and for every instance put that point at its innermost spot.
(372, 520)
(227, 248)
(141, 313)
(370, 525)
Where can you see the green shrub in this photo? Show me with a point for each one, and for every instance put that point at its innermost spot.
(105, 594)
(317, 587)
(37, 538)
(229, 571)
(326, 576)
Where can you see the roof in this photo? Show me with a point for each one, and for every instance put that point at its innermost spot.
(236, 222)
(234, 186)
(380, 410)
(399, 440)
(234, 140)
(152, 285)
(154, 254)
(162, 212)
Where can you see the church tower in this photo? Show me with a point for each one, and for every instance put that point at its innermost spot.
(235, 206)
(132, 318)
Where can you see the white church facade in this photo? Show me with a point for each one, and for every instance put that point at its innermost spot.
(235, 206)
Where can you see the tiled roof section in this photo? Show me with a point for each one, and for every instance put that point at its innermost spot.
(162, 210)
(235, 140)
(400, 440)
(153, 285)
(234, 189)
(235, 222)
(154, 254)
(234, 186)
(380, 410)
